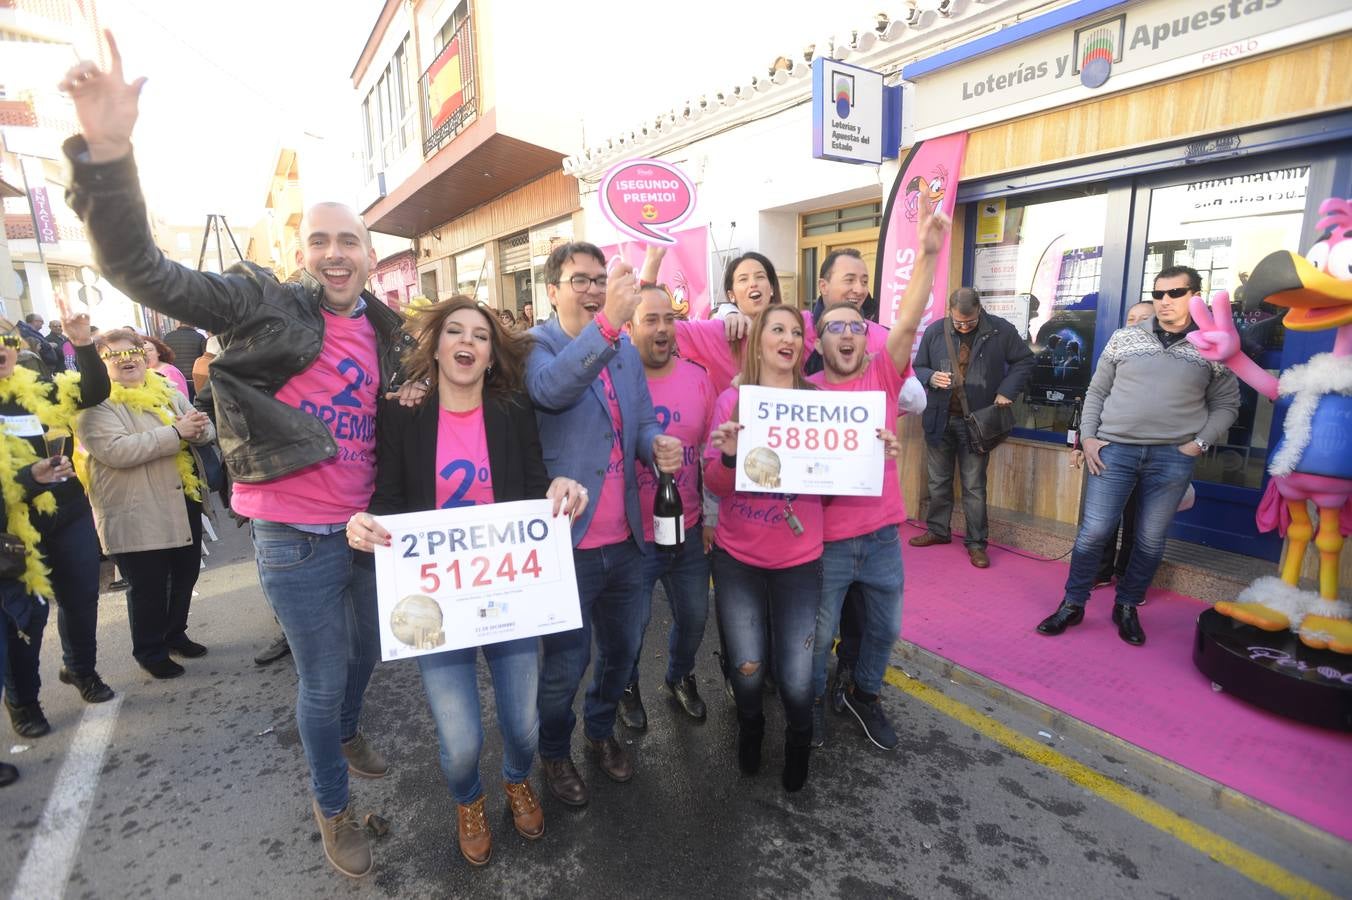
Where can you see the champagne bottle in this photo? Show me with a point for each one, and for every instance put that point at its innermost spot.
(668, 515)
(1073, 432)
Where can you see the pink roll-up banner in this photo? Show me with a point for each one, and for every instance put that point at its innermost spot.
(685, 269)
(936, 162)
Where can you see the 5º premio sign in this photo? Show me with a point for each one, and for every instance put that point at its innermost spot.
(475, 575)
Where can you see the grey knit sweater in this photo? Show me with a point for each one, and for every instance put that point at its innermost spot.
(1142, 393)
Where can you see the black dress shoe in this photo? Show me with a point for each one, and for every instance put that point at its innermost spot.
(1128, 624)
(188, 649)
(1066, 615)
(8, 774)
(612, 758)
(27, 719)
(564, 782)
(91, 686)
(632, 713)
(164, 668)
(687, 694)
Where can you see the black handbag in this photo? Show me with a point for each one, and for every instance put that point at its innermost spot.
(987, 427)
(13, 557)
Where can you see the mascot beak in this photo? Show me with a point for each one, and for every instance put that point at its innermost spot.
(1316, 300)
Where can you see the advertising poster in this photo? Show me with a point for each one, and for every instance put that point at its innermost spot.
(456, 578)
(811, 442)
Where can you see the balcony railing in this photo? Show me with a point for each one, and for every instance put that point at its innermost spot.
(450, 99)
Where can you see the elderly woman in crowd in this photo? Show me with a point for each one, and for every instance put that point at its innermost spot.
(159, 358)
(145, 484)
(472, 441)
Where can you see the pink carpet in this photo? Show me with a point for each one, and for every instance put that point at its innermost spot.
(1151, 696)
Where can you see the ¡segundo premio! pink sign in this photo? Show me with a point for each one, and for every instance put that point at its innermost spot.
(646, 198)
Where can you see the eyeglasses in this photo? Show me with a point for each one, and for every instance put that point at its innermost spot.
(11, 340)
(581, 283)
(838, 327)
(966, 324)
(123, 355)
(1174, 293)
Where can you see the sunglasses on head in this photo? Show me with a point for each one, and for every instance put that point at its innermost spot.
(11, 340)
(121, 355)
(838, 327)
(1175, 293)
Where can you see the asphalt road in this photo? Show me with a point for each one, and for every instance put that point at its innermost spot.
(203, 793)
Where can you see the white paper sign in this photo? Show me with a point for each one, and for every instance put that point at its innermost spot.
(810, 442)
(477, 575)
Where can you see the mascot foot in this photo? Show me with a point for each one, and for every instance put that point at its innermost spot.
(1255, 614)
(1324, 633)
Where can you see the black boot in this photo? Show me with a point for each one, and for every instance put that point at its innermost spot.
(750, 734)
(8, 774)
(797, 749)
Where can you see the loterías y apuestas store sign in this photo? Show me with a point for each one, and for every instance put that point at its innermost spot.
(1057, 58)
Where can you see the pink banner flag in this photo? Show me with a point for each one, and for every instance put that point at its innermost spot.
(685, 270)
(936, 162)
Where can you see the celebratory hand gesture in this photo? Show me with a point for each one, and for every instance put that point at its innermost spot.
(74, 325)
(1215, 338)
(622, 294)
(105, 104)
(931, 225)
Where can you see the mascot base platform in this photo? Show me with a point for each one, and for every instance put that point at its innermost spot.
(1150, 696)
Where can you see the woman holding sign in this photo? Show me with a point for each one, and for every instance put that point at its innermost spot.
(766, 560)
(473, 440)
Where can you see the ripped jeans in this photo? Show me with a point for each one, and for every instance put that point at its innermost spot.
(759, 608)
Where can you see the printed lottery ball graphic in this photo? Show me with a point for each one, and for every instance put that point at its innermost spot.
(417, 622)
(762, 466)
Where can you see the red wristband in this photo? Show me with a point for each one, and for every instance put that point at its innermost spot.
(608, 331)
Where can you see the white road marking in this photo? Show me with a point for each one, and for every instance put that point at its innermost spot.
(52, 854)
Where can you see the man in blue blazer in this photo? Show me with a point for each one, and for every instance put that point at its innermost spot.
(596, 421)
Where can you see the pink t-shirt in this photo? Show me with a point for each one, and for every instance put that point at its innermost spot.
(683, 400)
(175, 377)
(339, 388)
(847, 517)
(463, 475)
(753, 527)
(609, 525)
(706, 342)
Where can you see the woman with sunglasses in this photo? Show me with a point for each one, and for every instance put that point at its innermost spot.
(473, 440)
(145, 482)
(58, 522)
(766, 561)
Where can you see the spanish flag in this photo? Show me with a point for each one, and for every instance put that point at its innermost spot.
(445, 88)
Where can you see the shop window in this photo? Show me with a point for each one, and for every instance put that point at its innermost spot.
(849, 218)
(472, 274)
(543, 239)
(428, 285)
(1222, 227)
(1037, 262)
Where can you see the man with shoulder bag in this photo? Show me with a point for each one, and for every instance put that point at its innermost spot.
(984, 357)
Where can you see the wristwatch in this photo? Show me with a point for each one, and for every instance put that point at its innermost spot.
(1201, 443)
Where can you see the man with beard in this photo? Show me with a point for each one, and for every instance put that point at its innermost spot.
(683, 400)
(862, 547)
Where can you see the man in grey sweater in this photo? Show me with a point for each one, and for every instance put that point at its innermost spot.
(1153, 406)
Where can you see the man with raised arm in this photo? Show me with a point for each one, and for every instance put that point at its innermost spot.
(295, 392)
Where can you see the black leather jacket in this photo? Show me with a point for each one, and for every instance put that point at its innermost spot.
(269, 331)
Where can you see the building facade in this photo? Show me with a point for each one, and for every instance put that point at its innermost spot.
(275, 237)
(461, 149)
(1104, 140)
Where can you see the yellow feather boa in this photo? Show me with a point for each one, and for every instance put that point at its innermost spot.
(24, 388)
(156, 397)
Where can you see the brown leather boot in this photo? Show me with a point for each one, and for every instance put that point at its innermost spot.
(527, 815)
(345, 843)
(476, 841)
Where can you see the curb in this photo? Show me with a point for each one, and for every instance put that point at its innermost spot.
(1318, 845)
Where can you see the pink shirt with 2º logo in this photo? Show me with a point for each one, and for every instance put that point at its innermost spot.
(609, 524)
(463, 475)
(340, 389)
(683, 400)
(848, 517)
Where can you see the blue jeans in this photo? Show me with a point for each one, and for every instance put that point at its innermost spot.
(326, 601)
(71, 547)
(953, 447)
(763, 608)
(452, 685)
(872, 562)
(609, 586)
(685, 580)
(1162, 473)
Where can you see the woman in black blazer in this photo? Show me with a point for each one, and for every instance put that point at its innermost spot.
(472, 440)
